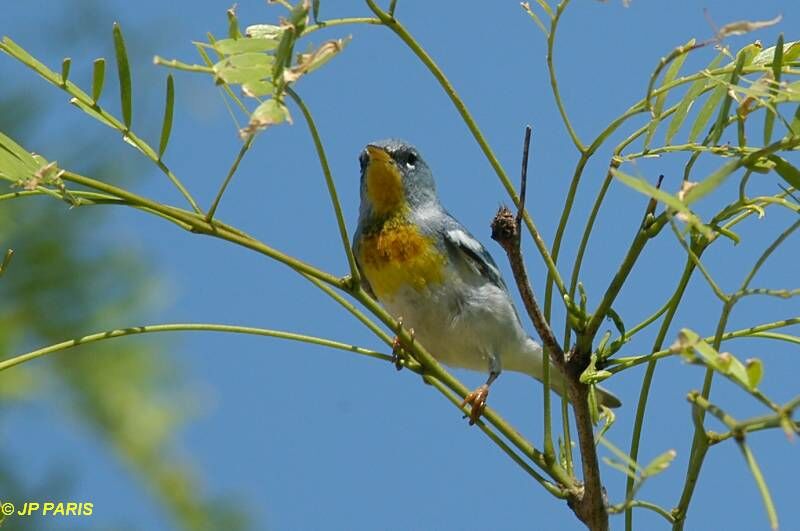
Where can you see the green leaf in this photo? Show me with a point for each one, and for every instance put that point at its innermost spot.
(608, 415)
(244, 45)
(704, 115)
(256, 89)
(270, 112)
(659, 464)
(777, 63)
(695, 89)
(594, 377)
(98, 78)
(65, 64)
(749, 53)
(710, 183)
(790, 92)
(617, 321)
(631, 465)
(264, 31)
(691, 343)
(16, 164)
(594, 411)
(755, 372)
(166, 125)
(789, 173)
(535, 18)
(795, 126)
(613, 463)
(546, 7)
(28, 160)
(308, 62)
(292, 30)
(744, 56)
(244, 67)
(124, 71)
(233, 24)
(642, 186)
(791, 51)
(658, 106)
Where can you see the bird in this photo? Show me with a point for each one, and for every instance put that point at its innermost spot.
(426, 269)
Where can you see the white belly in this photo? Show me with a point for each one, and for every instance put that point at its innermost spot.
(457, 326)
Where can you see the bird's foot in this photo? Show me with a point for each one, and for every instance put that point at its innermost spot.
(398, 353)
(477, 403)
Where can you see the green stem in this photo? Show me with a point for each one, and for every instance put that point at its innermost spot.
(326, 171)
(763, 422)
(643, 235)
(767, 252)
(207, 327)
(88, 105)
(353, 310)
(551, 37)
(553, 489)
(644, 392)
(178, 65)
(245, 147)
(706, 405)
(339, 22)
(700, 440)
(432, 368)
(644, 324)
(198, 224)
(698, 263)
(769, 505)
(615, 509)
(562, 225)
(620, 364)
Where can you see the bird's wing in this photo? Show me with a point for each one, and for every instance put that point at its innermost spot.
(466, 250)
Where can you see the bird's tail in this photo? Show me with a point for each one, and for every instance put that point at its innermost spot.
(557, 384)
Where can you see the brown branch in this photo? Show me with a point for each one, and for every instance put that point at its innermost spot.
(505, 231)
(588, 503)
(591, 506)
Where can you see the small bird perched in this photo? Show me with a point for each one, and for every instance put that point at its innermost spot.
(423, 266)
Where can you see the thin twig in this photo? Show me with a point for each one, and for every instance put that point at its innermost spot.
(228, 177)
(176, 327)
(524, 178)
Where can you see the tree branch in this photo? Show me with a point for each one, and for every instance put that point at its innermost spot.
(589, 503)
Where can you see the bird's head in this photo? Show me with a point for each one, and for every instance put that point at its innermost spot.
(394, 177)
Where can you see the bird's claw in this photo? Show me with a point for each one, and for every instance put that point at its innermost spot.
(477, 403)
(398, 354)
(397, 351)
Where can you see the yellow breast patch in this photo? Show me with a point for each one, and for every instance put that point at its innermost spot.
(399, 255)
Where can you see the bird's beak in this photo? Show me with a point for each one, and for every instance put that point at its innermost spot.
(379, 155)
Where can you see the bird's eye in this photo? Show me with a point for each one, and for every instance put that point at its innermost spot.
(411, 160)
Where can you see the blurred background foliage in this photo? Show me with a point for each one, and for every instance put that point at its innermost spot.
(124, 393)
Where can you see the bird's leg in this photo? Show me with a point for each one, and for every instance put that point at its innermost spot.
(477, 398)
(397, 346)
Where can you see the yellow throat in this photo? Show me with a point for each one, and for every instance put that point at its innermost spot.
(384, 182)
(393, 252)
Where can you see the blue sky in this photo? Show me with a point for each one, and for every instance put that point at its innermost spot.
(308, 438)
